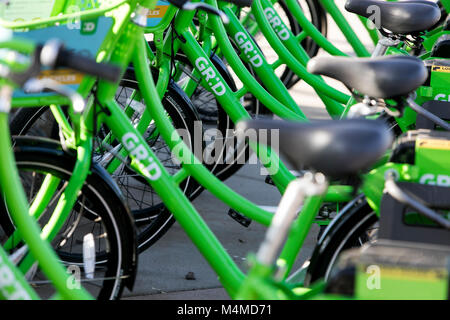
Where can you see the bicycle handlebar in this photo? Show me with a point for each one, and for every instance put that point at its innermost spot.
(54, 55)
(88, 66)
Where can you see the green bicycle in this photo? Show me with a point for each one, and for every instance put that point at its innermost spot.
(166, 67)
(48, 274)
(149, 166)
(264, 281)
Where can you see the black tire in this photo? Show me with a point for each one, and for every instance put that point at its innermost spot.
(183, 116)
(351, 228)
(104, 214)
(154, 219)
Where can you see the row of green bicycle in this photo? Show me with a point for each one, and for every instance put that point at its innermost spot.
(105, 166)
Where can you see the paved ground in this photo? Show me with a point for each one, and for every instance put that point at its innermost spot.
(163, 267)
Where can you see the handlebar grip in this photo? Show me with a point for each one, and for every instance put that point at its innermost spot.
(178, 3)
(241, 3)
(87, 65)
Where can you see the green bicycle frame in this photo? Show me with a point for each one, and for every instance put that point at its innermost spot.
(431, 159)
(18, 208)
(150, 167)
(17, 204)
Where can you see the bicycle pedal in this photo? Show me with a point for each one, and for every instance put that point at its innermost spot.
(239, 218)
(269, 180)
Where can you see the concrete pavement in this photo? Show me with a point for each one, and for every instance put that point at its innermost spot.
(164, 266)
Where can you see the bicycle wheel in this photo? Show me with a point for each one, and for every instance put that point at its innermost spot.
(98, 219)
(151, 216)
(351, 228)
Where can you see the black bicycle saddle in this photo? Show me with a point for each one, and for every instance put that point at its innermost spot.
(399, 17)
(336, 148)
(381, 77)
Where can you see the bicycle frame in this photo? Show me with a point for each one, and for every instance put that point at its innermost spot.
(16, 201)
(263, 71)
(238, 32)
(29, 231)
(150, 167)
(310, 30)
(229, 276)
(195, 227)
(339, 19)
(430, 161)
(233, 106)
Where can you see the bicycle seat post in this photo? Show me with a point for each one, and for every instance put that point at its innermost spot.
(383, 44)
(297, 190)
